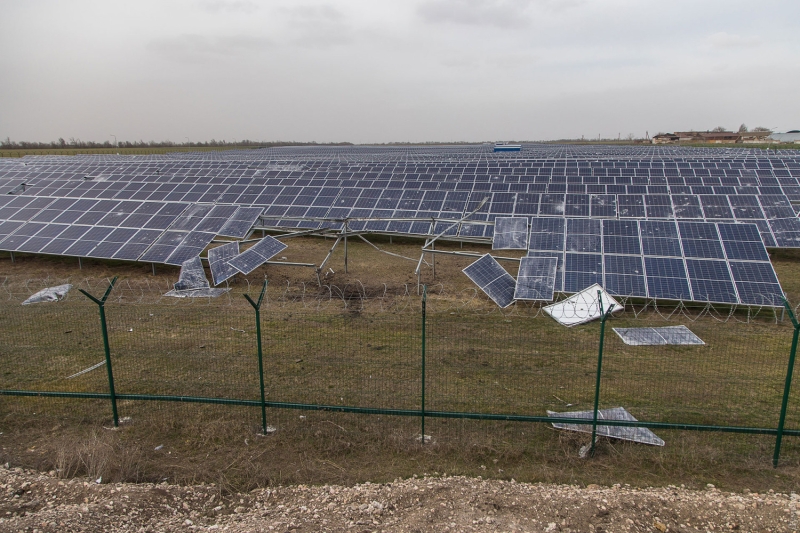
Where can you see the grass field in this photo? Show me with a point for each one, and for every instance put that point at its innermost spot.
(329, 346)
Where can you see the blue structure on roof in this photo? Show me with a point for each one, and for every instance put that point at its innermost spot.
(500, 147)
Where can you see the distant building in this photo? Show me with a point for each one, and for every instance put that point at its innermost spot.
(688, 136)
(665, 138)
(755, 136)
(715, 137)
(792, 136)
(720, 137)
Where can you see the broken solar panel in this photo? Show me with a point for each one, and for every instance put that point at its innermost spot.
(192, 276)
(510, 233)
(629, 433)
(492, 279)
(192, 244)
(239, 225)
(582, 307)
(218, 261)
(257, 255)
(209, 292)
(676, 335)
(536, 278)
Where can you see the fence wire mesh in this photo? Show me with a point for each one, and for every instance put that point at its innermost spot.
(340, 346)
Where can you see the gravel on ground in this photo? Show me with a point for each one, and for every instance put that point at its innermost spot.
(39, 502)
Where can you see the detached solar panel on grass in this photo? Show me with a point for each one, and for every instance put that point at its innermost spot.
(510, 233)
(257, 255)
(492, 279)
(536, 278)
(192, 276)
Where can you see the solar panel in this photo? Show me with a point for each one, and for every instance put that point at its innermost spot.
(536, 278)
(629, 433)
(510, 233)
(676, 335)
(218, 258)
(192, 276)
(238, 226)
(192, 245)
(257, 255)
(492, 279)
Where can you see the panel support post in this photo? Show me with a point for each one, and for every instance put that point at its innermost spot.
(603, 317)
(12, 258)
(787, 386)
(422, 403)
(433, 260)
(101, 304)
(257, 307)
(345, 246)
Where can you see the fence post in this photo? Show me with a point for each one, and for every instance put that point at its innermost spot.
(101, 304)
(257, 307)
(603, 316)
(422, 412)
(788, 386)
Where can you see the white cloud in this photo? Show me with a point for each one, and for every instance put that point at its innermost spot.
(504, 14)
(727, 40)
(192, 48)
(229, 6)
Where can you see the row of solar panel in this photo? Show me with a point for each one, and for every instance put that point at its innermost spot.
(448, 153)
(573, 175)
(580, 205)
(260, 193)
(732, 177)
(289, 195)
(631, 205)
(693, 159)
(147, 231)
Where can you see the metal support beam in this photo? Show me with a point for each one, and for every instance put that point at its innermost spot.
(101, 304)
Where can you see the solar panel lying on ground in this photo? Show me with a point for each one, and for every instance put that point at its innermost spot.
(677, 335)
(510, 233)
(492, 279)
(585, 306)
(218, 258)
(192, 276)
(257, 255)
(629, 433)
(536, 278)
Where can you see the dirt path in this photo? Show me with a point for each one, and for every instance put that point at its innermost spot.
(34, 502)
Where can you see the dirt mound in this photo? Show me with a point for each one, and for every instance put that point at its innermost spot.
(33, 501)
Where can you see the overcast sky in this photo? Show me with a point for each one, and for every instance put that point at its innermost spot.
(380, 71)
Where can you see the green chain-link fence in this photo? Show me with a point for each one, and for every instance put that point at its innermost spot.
(425, 358)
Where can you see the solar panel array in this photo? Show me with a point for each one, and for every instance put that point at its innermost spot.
(168, 208)
(674, 260)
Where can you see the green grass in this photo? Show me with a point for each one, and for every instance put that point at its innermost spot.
(478, 360)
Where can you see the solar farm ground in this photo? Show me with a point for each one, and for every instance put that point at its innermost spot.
(504, 356)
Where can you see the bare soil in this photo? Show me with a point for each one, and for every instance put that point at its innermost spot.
(34, 502)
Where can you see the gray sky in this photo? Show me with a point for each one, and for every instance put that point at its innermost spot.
(379, 71)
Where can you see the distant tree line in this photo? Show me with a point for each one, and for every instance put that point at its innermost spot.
(7, 143)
